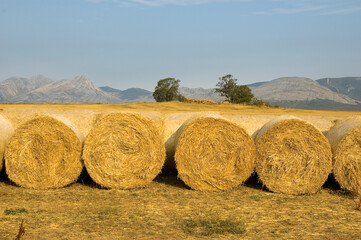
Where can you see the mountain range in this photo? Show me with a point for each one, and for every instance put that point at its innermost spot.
(305, 93)
(327, 93)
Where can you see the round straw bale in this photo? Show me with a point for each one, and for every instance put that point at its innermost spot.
(213, 154)
(345, 139)
(44, 152)
(172, 123)
(6, 131)
(293, 156)
(124, 150)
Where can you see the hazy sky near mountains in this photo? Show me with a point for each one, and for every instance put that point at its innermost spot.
(134, 43)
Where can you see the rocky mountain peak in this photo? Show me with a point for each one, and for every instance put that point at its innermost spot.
(82, 78)
(73, 90)
(14, 86)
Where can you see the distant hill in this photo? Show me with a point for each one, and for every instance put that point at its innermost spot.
(77, 90)
(318, 104)
(130, 94)
(257, 84)
(201, 93)
(305, 93)
(349, 86)
(15, 86)
(297, 89)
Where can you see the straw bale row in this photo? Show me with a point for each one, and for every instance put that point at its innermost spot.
(210, 153)
(123, 150)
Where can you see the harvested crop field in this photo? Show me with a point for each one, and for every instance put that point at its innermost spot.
(166, 208)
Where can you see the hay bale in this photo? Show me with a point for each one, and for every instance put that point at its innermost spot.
(345, 140)
(172, 123)
(213, 154)
(293, 156)
(124, 150)
(6, 131)
(44, 152)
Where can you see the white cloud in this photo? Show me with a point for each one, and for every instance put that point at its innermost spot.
(292, 10)
(342, 11)
(271, 7)
(319, 7)
(164, 2)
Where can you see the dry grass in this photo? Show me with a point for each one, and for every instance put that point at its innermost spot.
(166, 209)
(177, 107)
(358, 203)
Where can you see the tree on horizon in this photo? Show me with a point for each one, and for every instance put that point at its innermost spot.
(227, 87)
(167, 90)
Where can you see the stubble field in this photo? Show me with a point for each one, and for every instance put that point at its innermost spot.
(167, 209)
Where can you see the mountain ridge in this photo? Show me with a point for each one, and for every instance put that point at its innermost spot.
(295, 92)
(130, 94)
(304, 93)
(77, 90)
(298, 89)
(350, 86)
(14, 86)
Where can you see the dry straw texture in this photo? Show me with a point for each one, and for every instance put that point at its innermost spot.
(6, 131)
(124, 150)
(172, 123)
(293, 156)
(213, 154)
(345, 139)
(44, 152)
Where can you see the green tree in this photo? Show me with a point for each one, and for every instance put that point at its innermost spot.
(242, 94)
(167, 90)
(227, 87)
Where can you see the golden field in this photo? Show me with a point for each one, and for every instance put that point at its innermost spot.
(167, 209)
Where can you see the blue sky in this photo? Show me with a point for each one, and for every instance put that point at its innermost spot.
(135, 43)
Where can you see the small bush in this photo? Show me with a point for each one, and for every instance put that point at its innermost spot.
(181, 98)
(15, 211)
(211, 226)
(256, 197)
(260, 103)
(199, 101)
